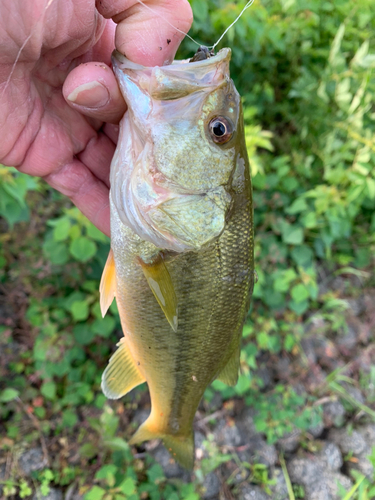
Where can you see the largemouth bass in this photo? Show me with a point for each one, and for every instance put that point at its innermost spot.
(181, 262)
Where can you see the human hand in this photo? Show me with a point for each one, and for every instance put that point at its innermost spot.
(54, 69)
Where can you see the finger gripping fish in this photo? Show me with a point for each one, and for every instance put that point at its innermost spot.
(181, 262)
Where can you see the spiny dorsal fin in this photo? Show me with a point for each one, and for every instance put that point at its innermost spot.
(121, 374)
(229, 374)
(107, 288)
(160, 282)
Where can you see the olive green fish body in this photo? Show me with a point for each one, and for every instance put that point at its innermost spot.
(192, 222)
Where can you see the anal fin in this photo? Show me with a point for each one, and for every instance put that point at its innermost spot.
(229, 374)
(107, 288)
(160, 282)
(121, 374)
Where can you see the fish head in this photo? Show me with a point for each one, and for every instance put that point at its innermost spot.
(172, 173)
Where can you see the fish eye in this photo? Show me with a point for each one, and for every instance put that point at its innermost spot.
(221, 129)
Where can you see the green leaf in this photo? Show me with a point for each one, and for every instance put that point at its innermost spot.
(80, 310)
(48, 390)
(105, 470)
(243, 384)
(105, 326)
(299, 205)
(192, 496)
(247, 330)
(83, 334)
(363, 257)
(69, 418)
(361, 53)
(17, 189)
(370, 187)
(309, 220)
(289, 342)
(200, 9)
(2, 261)
(70, 299)
(299, 293)
(335, 48)
(25, 489)
(117, 443)
(94, 233)
(82, 249)
(299, 307)
(96, 493)
(56, 252)
(283, 280)
(293, 235)
(12, 211)
(155, 474)
(61, 229)
(8, 395)
(302, 255)
(128, 487)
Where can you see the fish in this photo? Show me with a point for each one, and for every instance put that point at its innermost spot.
(181, 264)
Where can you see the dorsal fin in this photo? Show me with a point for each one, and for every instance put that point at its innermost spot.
(121, 374)
(107, 288)
(160, 282)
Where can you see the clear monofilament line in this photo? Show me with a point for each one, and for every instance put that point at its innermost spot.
(170, 24)
(249, 3)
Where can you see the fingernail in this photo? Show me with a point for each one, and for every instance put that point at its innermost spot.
(90, 95)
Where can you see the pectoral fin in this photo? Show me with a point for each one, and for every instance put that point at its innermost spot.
(229, 374)
(121, 374)
(160, 282)
(107, 288)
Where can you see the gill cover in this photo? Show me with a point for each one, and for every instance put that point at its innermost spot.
(169, 176)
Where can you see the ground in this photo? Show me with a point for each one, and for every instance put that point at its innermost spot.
(330, 370)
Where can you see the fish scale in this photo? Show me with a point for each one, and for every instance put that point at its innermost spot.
(182, 308)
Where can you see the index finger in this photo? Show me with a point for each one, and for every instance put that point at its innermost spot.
(148, 33)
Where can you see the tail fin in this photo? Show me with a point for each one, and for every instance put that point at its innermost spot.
(181, 448)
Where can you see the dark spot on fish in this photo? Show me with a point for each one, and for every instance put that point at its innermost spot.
(168, 41)
(138, 363)
(149, 347)
(160, 48)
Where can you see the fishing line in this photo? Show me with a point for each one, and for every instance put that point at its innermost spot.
(32, 32)
(166, 21)
(249, 4)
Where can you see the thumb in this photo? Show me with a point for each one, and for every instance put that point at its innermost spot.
(145, 34)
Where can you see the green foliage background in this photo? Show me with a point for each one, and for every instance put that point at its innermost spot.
(305, 70)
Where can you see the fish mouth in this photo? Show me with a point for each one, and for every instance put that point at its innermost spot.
(180, 78)
(122, 61)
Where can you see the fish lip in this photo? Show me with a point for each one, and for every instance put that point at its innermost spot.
(122, 62)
